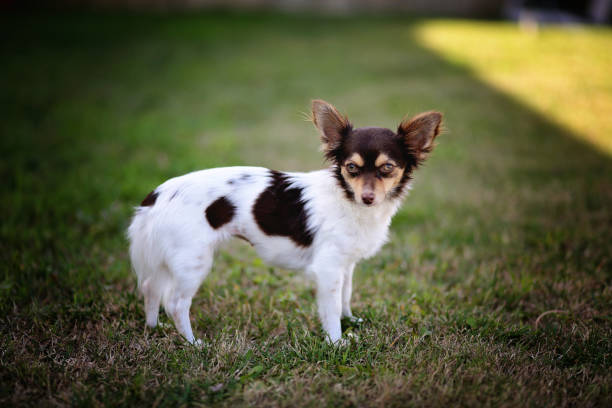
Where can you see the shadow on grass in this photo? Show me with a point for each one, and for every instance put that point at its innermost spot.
(510, 217)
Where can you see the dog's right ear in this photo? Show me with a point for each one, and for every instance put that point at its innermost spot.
(332, 125)
(419, 133)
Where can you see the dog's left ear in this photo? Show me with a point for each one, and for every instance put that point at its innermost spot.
(331, 124)
(419, 133)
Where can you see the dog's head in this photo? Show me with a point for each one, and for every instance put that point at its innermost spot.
(374, 164)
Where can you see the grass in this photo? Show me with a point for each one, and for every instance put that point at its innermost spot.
(509, 219)
(560, 73)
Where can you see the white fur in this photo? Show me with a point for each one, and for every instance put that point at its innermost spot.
(172, 244)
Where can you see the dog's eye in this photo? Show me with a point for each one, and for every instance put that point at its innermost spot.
(352, 168)
(386, 168)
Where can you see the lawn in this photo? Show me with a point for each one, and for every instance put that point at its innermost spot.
(495, 287)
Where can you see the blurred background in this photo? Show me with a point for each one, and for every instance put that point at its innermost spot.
(494, 288)
(594, 11)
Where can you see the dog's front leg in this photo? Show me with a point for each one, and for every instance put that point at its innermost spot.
(347, 290)
(329, 280)
(329, 303)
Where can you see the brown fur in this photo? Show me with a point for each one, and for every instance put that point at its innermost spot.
(150, 199)
(369, 182)
(357, 159)
(332, 125)
(369, 149)
(220, 212)
(279, 210)
(420, 132)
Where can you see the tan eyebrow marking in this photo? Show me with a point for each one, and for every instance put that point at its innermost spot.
(382, 159)
(357, 159)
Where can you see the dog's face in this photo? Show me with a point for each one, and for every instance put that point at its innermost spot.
(374, 164)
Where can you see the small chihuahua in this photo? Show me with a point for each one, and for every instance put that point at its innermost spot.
(322, 222)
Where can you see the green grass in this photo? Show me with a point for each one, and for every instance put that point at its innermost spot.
(562, 73)
(509, 219)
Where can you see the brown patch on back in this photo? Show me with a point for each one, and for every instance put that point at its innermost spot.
(150, 199)
(279, 210)
(220, 212)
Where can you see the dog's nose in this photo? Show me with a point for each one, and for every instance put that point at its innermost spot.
(367, 198)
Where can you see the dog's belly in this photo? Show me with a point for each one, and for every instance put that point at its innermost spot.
(283, 253)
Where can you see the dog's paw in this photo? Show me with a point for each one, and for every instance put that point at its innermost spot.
(355, 320)
(197, 343)
(164, 325)
(342, 343)
(351, 321)
(346, 340)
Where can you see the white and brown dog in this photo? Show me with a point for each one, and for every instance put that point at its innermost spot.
(322, 222)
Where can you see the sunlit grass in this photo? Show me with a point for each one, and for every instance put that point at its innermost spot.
(564, 73)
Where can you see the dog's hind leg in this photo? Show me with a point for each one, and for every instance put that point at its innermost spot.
(152, 299)
(180, 315)
(187, 278)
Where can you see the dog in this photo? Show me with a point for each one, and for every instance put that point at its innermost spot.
(322, 222)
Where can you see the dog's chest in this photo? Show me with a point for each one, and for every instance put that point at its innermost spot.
(360, 240)
(354, 234)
